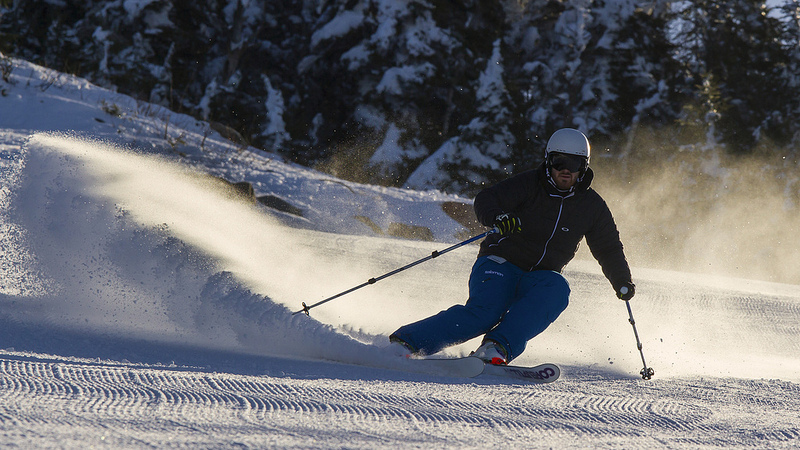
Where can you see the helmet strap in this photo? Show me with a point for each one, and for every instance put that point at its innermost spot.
(553, 182)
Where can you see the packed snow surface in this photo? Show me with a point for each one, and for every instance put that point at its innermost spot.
(142, 304)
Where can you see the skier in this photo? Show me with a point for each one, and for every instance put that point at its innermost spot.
(516, 289)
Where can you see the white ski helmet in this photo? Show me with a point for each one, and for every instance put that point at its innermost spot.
(568, 141)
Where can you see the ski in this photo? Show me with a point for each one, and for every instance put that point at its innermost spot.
(543, 373)
(471, 367)
(468, 367)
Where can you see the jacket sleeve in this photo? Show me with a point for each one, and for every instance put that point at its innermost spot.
(605, 244)
(504, 197)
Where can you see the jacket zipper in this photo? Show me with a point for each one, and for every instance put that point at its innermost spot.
(555, 228)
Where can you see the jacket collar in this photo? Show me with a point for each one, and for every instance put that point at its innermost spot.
(581, 185)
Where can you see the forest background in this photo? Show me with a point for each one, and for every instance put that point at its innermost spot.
(445, 94)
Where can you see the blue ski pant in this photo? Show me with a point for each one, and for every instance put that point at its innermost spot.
(507, 304)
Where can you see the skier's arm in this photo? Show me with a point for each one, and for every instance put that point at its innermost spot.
(504, 197)
(605, 244)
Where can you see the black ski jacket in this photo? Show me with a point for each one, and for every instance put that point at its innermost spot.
(553, 224)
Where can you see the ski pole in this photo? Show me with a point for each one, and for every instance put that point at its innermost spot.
(306, 308)
(647, 372)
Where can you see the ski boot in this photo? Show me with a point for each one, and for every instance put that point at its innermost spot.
(491, 353)
(400, 347)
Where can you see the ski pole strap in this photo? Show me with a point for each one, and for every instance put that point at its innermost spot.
(434, 254)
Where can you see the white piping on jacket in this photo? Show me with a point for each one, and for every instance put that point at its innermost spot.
(555, 227)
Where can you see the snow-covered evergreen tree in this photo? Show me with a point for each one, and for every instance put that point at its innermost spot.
(643, 72)
(45, 32)
(275, 129)
(480, 154)
(601, 66)
(406, 70)
(731, 48)
(789, 14)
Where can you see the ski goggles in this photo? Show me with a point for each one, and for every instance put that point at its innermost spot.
(573, 163)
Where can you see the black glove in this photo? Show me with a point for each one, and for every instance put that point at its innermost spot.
(626, 291)
(507, 224)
